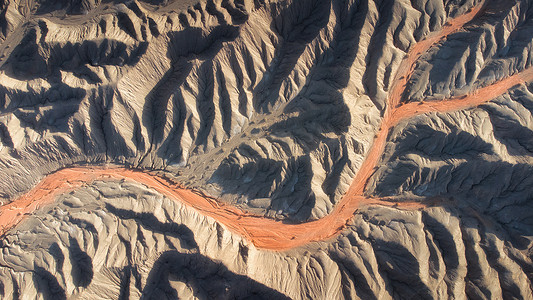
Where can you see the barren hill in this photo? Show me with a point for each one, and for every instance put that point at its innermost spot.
(304, 149)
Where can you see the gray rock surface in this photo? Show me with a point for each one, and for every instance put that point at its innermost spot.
(270, 106)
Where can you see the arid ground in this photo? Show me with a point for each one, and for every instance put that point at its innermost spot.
(266, 149)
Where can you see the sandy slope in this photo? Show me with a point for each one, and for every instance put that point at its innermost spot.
(232, 149)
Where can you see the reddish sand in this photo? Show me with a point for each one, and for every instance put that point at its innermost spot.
(263, 232)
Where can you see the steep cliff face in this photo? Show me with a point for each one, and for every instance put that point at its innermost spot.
(276, 108)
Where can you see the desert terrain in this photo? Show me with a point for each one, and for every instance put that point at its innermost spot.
(239, 149)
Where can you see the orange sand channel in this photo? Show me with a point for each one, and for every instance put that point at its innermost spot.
(263, 232)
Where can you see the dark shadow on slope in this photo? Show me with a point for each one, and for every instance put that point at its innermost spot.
(287, 184)
(186, 45)
(351, 273)
(156, 2)
(125, 23)
(76, 7)
(5, 137)
(4, 26)
(402, 173)
(77, 57)
(338, 153)
(53, 119)
(297, 26)
(150, 222)
(402, 270)
(433, 143)
(236, 10)
(58, 256)
(125, 281)
(157, 102)
(376, 48)
(47, 285)
(517, 139)
(82, 264)
(206, 278)
(320, 105)
(446, 243)
(26, 62)
(86, 226)
(60, 95)
(193, 42)
(171, 148)
(518, 42)
(204, 103)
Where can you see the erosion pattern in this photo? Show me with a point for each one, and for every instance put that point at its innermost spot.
(266, 149)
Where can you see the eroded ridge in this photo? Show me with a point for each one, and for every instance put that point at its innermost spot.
(263, 232)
